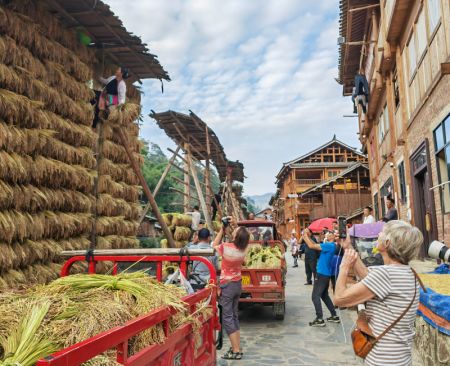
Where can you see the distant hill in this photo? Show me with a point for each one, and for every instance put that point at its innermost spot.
(261, 201)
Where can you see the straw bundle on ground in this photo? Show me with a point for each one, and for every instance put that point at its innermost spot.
(81, 306)
(182, 233)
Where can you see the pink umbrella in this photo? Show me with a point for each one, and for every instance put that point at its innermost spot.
(318, 225)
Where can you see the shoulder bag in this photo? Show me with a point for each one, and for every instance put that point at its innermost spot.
(362, 336)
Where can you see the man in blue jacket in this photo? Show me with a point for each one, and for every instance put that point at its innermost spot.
(324, 271)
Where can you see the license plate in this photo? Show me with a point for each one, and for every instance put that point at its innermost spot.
(246, 280)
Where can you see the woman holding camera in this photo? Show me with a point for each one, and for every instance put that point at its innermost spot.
(391, 293)
(233, 256)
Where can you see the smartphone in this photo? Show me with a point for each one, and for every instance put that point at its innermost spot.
(342, 223)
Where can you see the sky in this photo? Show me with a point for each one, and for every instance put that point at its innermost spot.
(260, 73)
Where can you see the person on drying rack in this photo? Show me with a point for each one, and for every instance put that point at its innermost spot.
(115, 90)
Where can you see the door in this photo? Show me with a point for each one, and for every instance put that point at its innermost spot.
(423, 200)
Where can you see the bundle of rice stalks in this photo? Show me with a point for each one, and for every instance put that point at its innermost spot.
(118, 189)
(178, 244)
(181, 220)
(116, 242)
(27, 34)
(116, 225)
(182, 233)
(132, 131)
(167, 218)
(164, 243)
(118, 172)
(124, 114)
(118, 154)
(439, 283)
(25, 141)
(24, 346)
(32, 199)
(260, 257)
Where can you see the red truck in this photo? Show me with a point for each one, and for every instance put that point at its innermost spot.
(264, 286)
(179, 347)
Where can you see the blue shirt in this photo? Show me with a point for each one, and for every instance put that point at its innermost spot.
(200, 268)
(324, 266)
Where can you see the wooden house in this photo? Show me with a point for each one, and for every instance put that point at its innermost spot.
(330, 180)
(402, 48)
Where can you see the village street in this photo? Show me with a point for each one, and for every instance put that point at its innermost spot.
(266, 341)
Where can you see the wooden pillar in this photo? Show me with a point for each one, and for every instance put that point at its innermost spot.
(200, 194)
(208, 190)
(187, 179)
(359, 188)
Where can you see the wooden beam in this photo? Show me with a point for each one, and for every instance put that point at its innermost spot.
(184, 194)
(159, 185)
(363, 7)
(200, 195)
(141, 252)
(187, 179)
(148, 193)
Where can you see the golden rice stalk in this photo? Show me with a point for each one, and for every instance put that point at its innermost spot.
(26, 141)
(167, 218)
(27, 34)
(118, 172)
(24, 346)
(182, 233)
(124, 114)
(132, 132)
(263, 257)
(164, 243)
(115, 226)
(181, 220)
(118, 189)
(117, 153)
(116, 242)
(32, 199)
(110, 206)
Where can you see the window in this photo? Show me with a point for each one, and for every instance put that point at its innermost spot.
(421, 34)
(412, 57)
(332, 173)
(402, 181)
(434, 13)
(383, 124)
(385, 191)
(442, 147)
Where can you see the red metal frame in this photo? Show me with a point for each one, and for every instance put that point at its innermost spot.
(179, 347)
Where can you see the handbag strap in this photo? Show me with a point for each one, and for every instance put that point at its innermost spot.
(416, 278)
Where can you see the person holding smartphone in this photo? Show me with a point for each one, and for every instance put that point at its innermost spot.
(233, 256)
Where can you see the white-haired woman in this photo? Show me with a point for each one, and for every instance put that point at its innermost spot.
(387, 290)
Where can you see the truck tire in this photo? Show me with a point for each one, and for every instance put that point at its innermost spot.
(279, 309)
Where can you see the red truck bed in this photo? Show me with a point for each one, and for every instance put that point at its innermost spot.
(180, 347)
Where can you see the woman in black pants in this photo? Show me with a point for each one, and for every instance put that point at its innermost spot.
(321, 285)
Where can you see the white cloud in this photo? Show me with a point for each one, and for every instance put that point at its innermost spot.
(260, 73)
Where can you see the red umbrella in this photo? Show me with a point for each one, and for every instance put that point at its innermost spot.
(318, 225)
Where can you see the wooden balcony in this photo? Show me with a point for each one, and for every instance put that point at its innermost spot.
(337, 204)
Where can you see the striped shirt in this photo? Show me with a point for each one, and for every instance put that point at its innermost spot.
(393, 286)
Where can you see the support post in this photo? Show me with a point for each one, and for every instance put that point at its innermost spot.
(199, 193)
(159, 185)
(359, 188)
(148, 193)
(187, 179)
(207, 174)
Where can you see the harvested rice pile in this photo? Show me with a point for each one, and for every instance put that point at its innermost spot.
(259, 257)
(439, 283)
(47, 145)
(180, 226)
(74, 308)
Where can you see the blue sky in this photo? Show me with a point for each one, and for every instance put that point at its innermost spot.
(259, 72)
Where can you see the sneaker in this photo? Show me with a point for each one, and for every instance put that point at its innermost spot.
(317, 323)
(294, 266)
(308, 283)
(334, 319)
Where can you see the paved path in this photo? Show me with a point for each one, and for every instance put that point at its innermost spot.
(266, 341)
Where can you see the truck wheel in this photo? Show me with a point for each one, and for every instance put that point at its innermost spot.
(279, 309)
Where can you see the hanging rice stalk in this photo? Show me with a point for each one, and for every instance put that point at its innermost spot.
(124, 114)
(181, 220)
(182, 233)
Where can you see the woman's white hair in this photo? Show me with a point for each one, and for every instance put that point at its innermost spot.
(405, 240)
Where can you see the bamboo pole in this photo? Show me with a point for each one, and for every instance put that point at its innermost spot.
(141, 251)
(159, 185)
(148, 193)
(187, 180)
(199, 194)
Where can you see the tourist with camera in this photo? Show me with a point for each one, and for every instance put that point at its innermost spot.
(391, 293)
(233, 256)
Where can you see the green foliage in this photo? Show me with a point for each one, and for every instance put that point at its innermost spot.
(155, 162)
(150, 242)
(251, 206)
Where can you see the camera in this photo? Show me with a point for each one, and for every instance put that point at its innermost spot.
(342, 224)
(438, 250)
(225, 221)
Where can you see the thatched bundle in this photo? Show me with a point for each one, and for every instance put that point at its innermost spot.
(75, 308)
(182, 233)
(48, 151)
(181, 220)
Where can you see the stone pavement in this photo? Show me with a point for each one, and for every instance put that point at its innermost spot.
(266, 341)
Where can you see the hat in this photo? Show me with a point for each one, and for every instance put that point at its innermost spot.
(204, 233)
